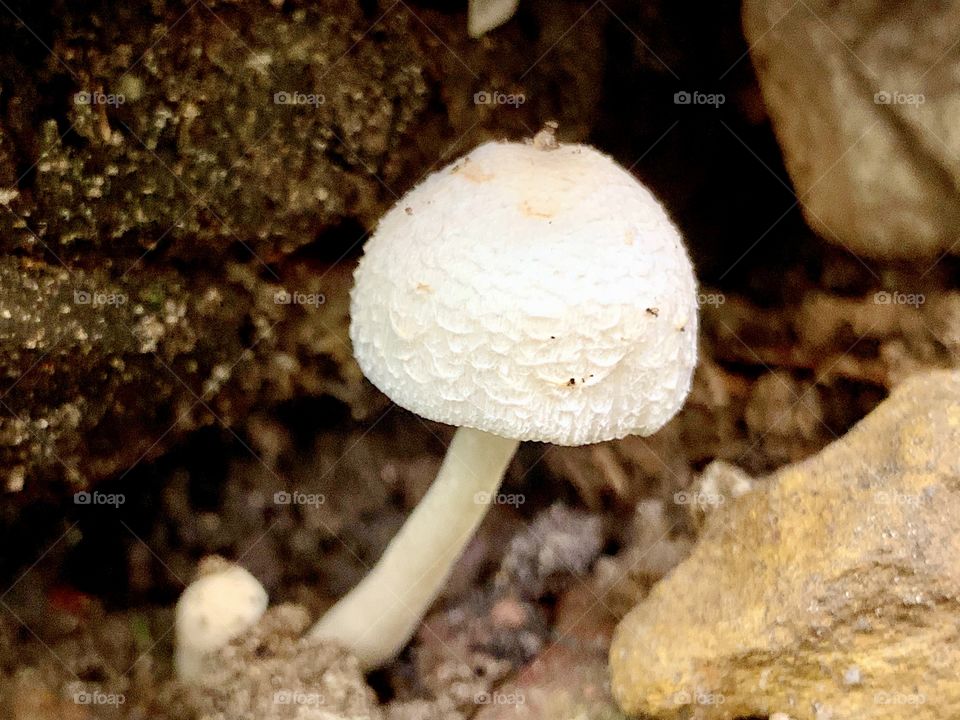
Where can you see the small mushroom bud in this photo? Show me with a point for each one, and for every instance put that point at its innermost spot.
(221, 604)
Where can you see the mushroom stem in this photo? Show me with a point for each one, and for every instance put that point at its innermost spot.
(377, 618)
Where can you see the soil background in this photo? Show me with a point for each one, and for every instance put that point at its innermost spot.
(150, 350)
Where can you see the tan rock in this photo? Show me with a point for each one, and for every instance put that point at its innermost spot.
(864, 98)
(832, 591)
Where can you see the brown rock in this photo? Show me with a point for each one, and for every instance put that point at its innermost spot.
(830, 592)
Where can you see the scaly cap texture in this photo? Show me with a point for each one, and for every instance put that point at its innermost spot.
(533, 293)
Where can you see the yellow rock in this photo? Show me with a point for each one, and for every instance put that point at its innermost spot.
(831, 592)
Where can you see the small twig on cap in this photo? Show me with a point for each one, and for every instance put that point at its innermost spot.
(546, 139)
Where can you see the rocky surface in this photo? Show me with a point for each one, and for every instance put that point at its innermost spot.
(167, 169)
(103, 373)
(569, 678)
(828, 592)
(864, 99)
(273, 674)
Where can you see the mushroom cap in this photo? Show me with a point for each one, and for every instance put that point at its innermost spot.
(534, 293)
(214, 609)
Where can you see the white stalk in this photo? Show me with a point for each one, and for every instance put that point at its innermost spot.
(377, 618)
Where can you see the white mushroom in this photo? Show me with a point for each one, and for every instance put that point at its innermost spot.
(221, 604)
(485, 15)
(528, 291)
